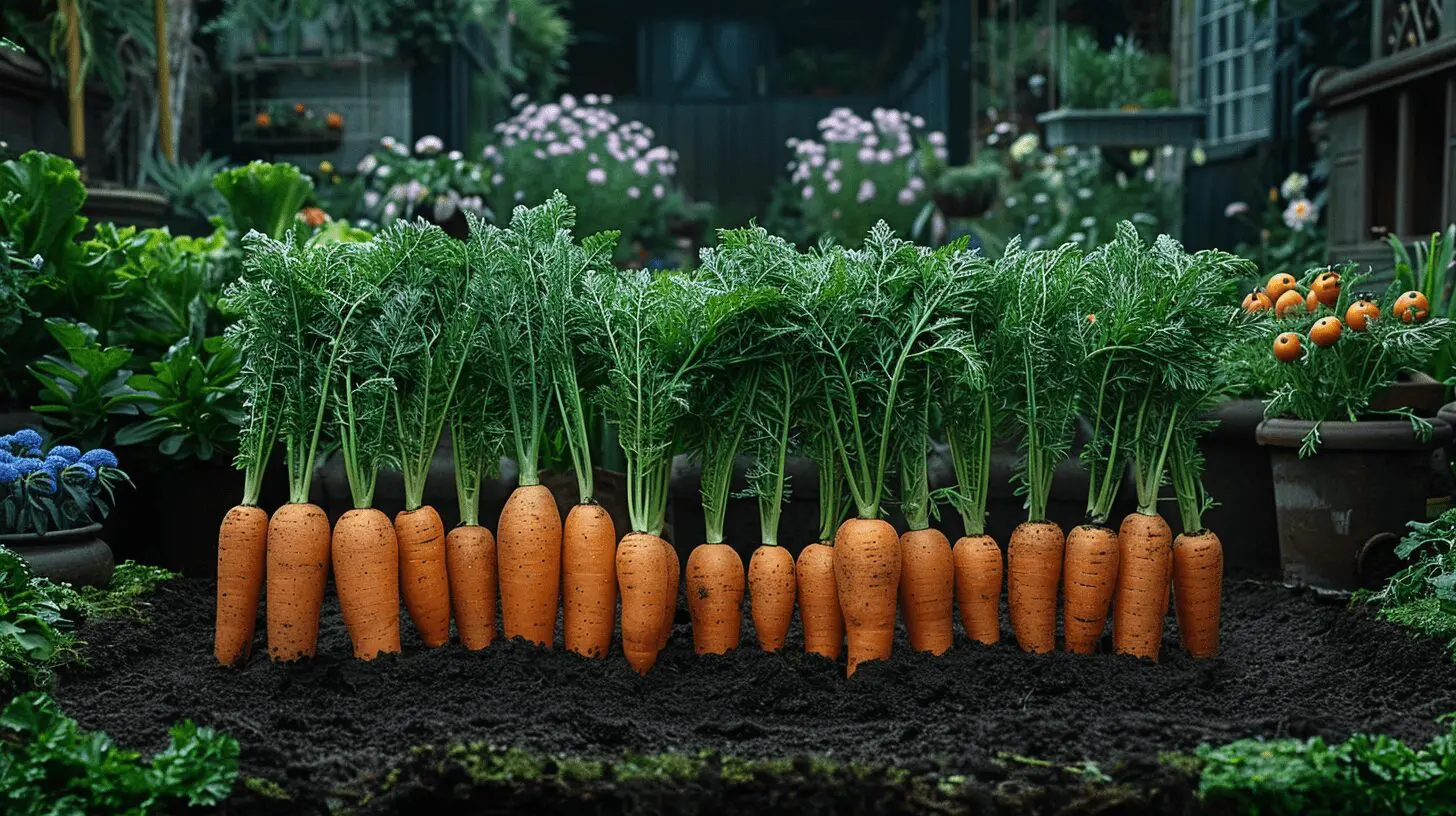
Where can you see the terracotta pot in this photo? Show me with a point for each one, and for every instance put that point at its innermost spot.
(1342, 511)
(78, 557)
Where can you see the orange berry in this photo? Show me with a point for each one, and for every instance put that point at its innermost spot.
(1412, 306)
(1325, 332)
(1286, 347)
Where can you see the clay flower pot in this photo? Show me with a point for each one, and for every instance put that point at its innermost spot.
(1341, 511)
(78, 557)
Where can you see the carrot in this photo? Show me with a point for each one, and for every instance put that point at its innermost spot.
(366, 576)
(927, 587)
(819, 601)
(978, 575)
(1145, 545)
(1033, 571)
(298, 568)
(242, 547)
(470, 564)
(642, 582)
(589, 579)
(1197, 590)
(771, 595)
(715, 597)
(422, 573)
(673, 570)
(867, 575)
(1090, 575)
(529, 548)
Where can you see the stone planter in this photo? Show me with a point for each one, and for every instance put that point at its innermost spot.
(78, 557)
(1122, 128)
(1342, 511)
(1237, 474)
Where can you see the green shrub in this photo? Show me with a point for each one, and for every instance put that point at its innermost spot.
(49, 765)
(1422, 595)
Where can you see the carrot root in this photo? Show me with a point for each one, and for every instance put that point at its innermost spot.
(589, 580)
(819, 601)
(242, 553)
(672, 569)
(1033, 572)
(298, 569)
(867, 575)
(927, 589)
(1089, 576)
(366, 577)
(715, 597)
(470, 560)
(979, 572)
(771, 595)
(1197, 591)
(422, 573)
(642, 584)
(528, 544)
(1141, 601)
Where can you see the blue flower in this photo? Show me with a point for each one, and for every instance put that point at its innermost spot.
(70, 453)
(99, 458)
(35, 453)
(8, 473)
(5, 454)
(83, 470)
(6, 441)
(27, 466)
(54, 462)
(26, 438)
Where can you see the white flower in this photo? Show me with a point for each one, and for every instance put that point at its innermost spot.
(473, 204)
(400, 150)
(520, 195)
(387, 142)
(596, 176)
(1167, 151)
(446, 205)
(807, 192)
(518, 100)
(865, 155)
(866, 191)
(885, 156)
(1235, 208)
(1012, 201)
(414, 190)
(641, 167)
(658, 191)
(1040, 199)
(993, 139)
(568, 101)
(936, 138)
(539, 153)
(36, 262)
(1024, 145)
(834, 185)
(1300, 213)
(1084, 193)
(1089, 222)
(1077, 237)
(906, 197)
(1003, 127)
(1149, 174)
(915, 184)
(383, 171)
(390, 210)
(633, 192)
(606, 99)
(1121, 179)
(1294, 186)
(496, 179)
(371, 199)
(367, 164)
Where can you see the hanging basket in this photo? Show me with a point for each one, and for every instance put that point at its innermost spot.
(1179, 127)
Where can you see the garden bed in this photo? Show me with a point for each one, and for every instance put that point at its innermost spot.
(340, 733)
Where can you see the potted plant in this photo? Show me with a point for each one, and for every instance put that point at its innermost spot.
(1121, 97)
(54, 499)
(293, 129)
(968, 190)
(1347, 475)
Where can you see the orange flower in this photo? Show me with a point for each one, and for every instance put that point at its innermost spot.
(299, 108)
(313, 216)
(334, 120)
(263, 120)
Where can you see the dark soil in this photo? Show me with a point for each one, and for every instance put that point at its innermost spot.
(329, 730)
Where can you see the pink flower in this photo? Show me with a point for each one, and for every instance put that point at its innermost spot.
(596, 176)
(834, 186)
(866, 191)
(540, 154)
(906, 197)
(633, 192)
(641, 167)
(915, 184)
(658, 191)
(885, 156)
(865, 155)
(496, 179)
(936, 138)
(1235, 208)
(429, 145)
(590, 99)
(807, 192)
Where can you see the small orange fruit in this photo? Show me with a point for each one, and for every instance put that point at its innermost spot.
(334, 120)
(1256, 301)
(1359, 312)
(312, 216)
(1286, 347)
(1311, 302)
(1279, 284)
(1325, 332)
(299, 108)
(1327, 287)
(263, 120)
(1412, 306)
(1288, 303)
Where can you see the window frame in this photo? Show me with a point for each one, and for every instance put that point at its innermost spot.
(1234, 82)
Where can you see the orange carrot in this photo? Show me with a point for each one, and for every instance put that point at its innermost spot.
(1197, 587)
(422, 573)
(867, 575)
(642, 583)
(1033, 571)
(298, 568)
(470, 560)
(242, 548)
(819, 601)
(366, 576)
(715, 597)
(927, 588)
(589, 580)
(528, 540)
(1090, 576)
(978, 575)
(673, 570)
(1146, 553)
(771, 595)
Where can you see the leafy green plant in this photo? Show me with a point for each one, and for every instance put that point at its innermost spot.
(192, 401)
(978, 180)
(428, 181)
(46, 489)
(1364, 774)
(1124, 75)
(33, 628)
(40, 201)
(1431, 274)
(81, 393)
(1422, 595)
(17, 276)
(48, 764)
(263, 197)
(188, 185)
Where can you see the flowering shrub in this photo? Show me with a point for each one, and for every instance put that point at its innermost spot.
(1075, 194)
(609, 169)
(428, 181)
(61, 488)
(861, 171)
(1291, 238)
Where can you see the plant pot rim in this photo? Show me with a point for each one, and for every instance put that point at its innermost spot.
(1369, 435)
(54, 536)
(1447, 412)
